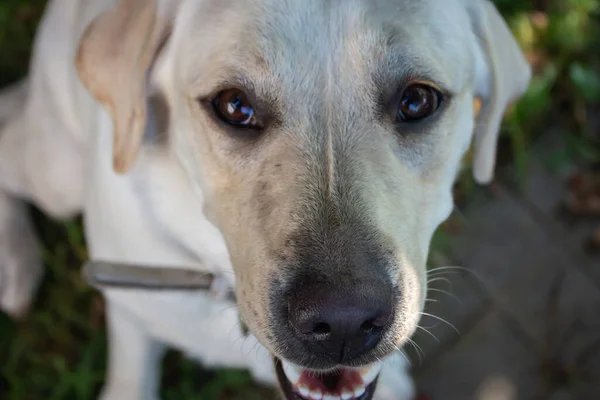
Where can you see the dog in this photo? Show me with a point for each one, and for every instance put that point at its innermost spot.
(303, 150)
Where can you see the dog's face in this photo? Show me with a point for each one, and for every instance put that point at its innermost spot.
(325, 138)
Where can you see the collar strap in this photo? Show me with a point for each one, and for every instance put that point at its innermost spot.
(105, 275)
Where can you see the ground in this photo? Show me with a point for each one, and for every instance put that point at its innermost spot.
(58, 351)
(520, 317)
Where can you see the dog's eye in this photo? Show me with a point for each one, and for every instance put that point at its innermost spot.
(233, 107)
(418, 101)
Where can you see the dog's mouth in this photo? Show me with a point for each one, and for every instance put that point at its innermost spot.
(299, 383)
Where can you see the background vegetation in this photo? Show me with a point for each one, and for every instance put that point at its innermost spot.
(58, 351)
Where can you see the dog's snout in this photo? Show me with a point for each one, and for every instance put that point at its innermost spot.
(340, 324)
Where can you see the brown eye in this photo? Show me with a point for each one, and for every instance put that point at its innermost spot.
(233, 107)
(418, 101)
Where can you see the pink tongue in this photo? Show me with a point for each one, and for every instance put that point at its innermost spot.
(332, 383)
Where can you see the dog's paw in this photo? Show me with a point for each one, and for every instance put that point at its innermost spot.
(20, 263)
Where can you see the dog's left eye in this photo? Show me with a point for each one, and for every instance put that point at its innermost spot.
(417, 102)
(233, 107)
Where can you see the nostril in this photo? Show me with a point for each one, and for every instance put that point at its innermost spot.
(375, 325)
(367, 326)
(370, 327)
(321, 329)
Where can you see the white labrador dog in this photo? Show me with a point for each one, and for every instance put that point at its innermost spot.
(306, 149)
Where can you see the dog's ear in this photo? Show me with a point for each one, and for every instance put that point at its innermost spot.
(503, 75)
(113, 59)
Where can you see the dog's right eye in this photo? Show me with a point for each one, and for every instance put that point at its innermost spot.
(417, 102)
(233, 107)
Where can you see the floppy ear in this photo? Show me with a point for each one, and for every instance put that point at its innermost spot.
(113, 58)
(502, 78)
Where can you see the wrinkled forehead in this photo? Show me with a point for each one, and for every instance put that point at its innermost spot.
(303, 45)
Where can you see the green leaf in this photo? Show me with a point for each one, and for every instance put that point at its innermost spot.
(586, 81)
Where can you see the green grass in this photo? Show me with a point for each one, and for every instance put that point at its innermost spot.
(58, 352)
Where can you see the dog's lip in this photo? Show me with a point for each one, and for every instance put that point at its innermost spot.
(298, 383)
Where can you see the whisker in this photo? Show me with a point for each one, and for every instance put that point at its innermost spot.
(447, 293)
(431, 300)
(228, 307)
(241, 337)
(441, 319)
(245, 339)
(247, 353)
(430, 334)
(234, 326)
(417, 349)
(257, 350)
(404, 355)
(448, 268)
(429, 282)
(252, 349)
(443, 273)
(454, 269)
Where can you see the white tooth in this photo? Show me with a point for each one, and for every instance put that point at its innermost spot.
(359, 391)
(304, 392)
(369, 376)
(292, 372)
(347, 395)
(331, 397)
(316, 395)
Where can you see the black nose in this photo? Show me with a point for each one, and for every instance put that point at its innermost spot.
(341, 324)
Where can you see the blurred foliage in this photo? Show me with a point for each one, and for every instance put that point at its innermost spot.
(18, 21)
(58, 352)
(561, 40)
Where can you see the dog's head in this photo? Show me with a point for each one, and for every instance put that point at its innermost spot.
(325, 137)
